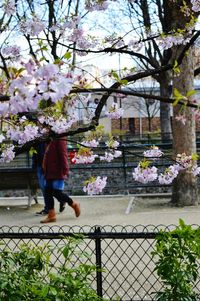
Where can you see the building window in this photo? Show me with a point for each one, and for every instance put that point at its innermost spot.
(131, 123)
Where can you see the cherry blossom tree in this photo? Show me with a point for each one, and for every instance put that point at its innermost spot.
(43, 83)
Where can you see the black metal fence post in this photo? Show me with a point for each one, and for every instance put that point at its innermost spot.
(98, 262)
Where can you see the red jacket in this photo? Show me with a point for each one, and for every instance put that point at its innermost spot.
(55, 163)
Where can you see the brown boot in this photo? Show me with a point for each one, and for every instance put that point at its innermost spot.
(76, 208)
(50, 218)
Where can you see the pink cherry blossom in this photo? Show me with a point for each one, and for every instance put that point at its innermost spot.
(7, 154)
(181, 118)
(23, 134)
(30, 66)
(90, 143)
(153, 153)
(46, 82)
(11, 51)
(95, 185)
(112, 143)
(103, 5)
(9, 7)
(4, 107)
(2, 138)
(145, 175)
(196, 170)
(47, 71)
(109, 156)
(78, 159)
(169, 41)
(32, 27)
(195, 5)
(168, 176)
(114, 112)
(61, 125)
(184, 161)
(76, 34)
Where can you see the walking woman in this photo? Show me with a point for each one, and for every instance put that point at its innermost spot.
(56, 169)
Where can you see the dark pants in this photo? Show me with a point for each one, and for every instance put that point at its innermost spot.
(50, 193)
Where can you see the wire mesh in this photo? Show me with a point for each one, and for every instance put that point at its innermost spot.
(123, 252)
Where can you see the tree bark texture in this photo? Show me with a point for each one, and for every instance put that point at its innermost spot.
(165, 111)
(185, 189)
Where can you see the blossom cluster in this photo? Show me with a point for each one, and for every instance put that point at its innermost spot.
(109, 156)
(169, 175)
(7, 154)
(11, 51)
(195, 5)
(9, 7)
(112, 153)
(90, 143)
(23, 134)
(96, 6)
(26, 92)
(60, 124)
(84, 156)
(169, 41)
(153, 153)
(114, 112)
(95, 185)
(144, 173)
(32, 27)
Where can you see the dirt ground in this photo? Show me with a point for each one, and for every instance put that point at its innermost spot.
(101, 210)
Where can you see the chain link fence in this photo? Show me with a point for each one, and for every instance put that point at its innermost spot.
(122, 253)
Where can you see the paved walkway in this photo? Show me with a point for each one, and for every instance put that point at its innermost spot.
(101, 210)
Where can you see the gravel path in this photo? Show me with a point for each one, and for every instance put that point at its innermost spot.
(101, 210)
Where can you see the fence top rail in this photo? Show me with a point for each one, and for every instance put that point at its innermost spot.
(90, 235)
(92, 232)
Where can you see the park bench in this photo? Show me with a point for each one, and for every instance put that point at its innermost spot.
(19, 175)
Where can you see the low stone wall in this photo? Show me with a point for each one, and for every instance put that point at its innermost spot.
(119, 181)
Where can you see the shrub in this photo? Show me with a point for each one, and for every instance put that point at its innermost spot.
(28, 274)
(177, 254)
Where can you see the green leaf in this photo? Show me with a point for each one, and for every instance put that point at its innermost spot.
(181, 223)
(42, 59)
(53, 290)
(57, 61)
(195, 157)
(44, 48)
(32, 151)
(44, 291)
(144, 163)
(190, 93)
(176, 68)
(115, 75)
(40, 43)
(66, 252)
(178, 96)
(67, 55)
(124, 82)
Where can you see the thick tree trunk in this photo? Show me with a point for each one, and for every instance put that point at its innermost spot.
(165, 110)
(165, 122)
(185, 191)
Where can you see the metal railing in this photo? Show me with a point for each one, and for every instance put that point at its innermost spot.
(119, 171)
(122, 252)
